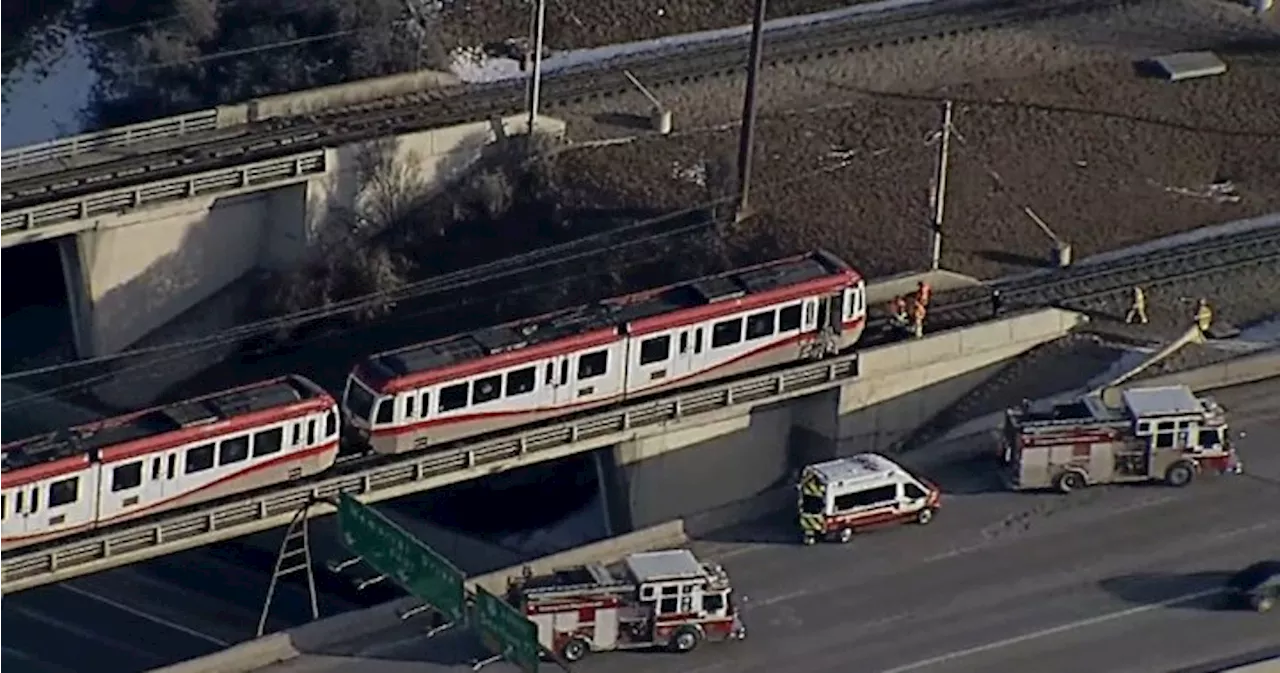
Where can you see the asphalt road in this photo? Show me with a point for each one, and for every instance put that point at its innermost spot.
(1119, 579)
(144, 616)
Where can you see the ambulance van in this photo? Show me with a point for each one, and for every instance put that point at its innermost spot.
(842, 496)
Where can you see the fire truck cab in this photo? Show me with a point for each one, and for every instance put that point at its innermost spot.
(652, 599)
(840, 496)
(1154, 434)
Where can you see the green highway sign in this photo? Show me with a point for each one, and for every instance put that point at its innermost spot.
(392, 551)
(506, 631)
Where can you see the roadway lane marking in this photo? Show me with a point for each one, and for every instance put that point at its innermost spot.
(84, 633)
(147, 616)
(1053, 631)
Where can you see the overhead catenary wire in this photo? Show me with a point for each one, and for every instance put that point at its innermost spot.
(79, 384)
(447, 282)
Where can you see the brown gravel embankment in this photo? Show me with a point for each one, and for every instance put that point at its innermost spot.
(577, 24)
(1105, 157)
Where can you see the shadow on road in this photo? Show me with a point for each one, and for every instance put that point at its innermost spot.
(1153, 588)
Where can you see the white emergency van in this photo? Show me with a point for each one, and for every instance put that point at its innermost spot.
(839, 497)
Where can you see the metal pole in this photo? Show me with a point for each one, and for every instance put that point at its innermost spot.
(747, 139)
(535, 85)
(940, 190)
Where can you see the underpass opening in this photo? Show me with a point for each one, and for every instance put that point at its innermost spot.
(37, 315)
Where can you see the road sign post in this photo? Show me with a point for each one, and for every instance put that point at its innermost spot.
(402, 558)
(505, 632)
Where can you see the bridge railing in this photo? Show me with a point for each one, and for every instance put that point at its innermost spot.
(61, 218)
(124, 136)
(411, 474)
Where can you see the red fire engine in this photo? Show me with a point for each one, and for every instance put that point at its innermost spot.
(652, 599)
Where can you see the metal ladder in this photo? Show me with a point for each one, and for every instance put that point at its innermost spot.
(296, 543)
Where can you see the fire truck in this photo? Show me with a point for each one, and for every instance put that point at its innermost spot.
(1148, 434)
(664, 599)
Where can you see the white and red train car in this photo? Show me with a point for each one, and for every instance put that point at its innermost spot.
(165, 458)
(603, 353)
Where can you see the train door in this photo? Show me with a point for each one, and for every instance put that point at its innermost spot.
(558, 375)
(683, 362)
(161, 481)
(21, 504)
(811, 317)
(10, 523)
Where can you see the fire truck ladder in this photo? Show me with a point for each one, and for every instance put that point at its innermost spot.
(296, 543)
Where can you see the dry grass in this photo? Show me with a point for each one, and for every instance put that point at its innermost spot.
(1107, 158)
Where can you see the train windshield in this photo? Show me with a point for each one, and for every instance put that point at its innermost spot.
(358, 399)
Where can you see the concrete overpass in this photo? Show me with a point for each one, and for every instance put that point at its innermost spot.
(135, 259)
(762, 426)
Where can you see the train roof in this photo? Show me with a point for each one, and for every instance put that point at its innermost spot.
(608, 314)
(200, 411)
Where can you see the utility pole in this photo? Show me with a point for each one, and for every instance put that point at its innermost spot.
(748, 135)
(538, 24)
(940, 184)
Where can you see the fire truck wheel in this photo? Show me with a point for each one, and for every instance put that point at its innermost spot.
(924, 516)
(574, 650)
(1179, 474)
(844, 535)
(686, 639)
(1070, 481)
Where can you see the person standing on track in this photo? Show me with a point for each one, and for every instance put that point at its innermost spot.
(917, 317)
(1138, 309)
(1204, 316)
(923, 293)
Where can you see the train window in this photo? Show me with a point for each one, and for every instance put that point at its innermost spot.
(233, 450)
(657, 349)
(760, 325)
(35, 499)
(67, 491)
(155, 469)
(726, 333)
(386, 410)
(4, 507)
(127, 476)
(173, 466)
(311, 432)
(297, 434)
(486, 389)
(789, 318)
(592, 365)
(684, 343)
(199, 459)
(551, 373)
(453, 397)
(564, 371)
(697, 341)
(331, 422)
(425, 403)
(810, 311)
(17, 502)
(409, 403)
(268, 442)
(521, 381)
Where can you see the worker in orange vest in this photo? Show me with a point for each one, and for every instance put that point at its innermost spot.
(917, 317)
(923, 293)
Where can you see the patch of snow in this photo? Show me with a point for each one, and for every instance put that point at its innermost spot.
(1267, 331)
(494, 69)
(45, 101)
(575, 530)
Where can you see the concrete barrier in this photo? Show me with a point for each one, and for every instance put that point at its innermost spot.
(1234, 372)
(277, 647)
(1268, 666)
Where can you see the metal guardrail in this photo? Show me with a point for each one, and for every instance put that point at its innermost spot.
(408, 474)
(40, 222)
(124, 136)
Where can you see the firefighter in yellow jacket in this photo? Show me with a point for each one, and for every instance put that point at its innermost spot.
(1138, 309)
(1204, 316)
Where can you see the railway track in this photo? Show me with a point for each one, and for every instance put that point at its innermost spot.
(277, 138)
(1078, 286)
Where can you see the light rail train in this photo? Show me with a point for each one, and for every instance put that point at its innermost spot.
(430, 394)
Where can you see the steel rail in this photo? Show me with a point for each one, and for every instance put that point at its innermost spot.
(383, 477)
(276, 137)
